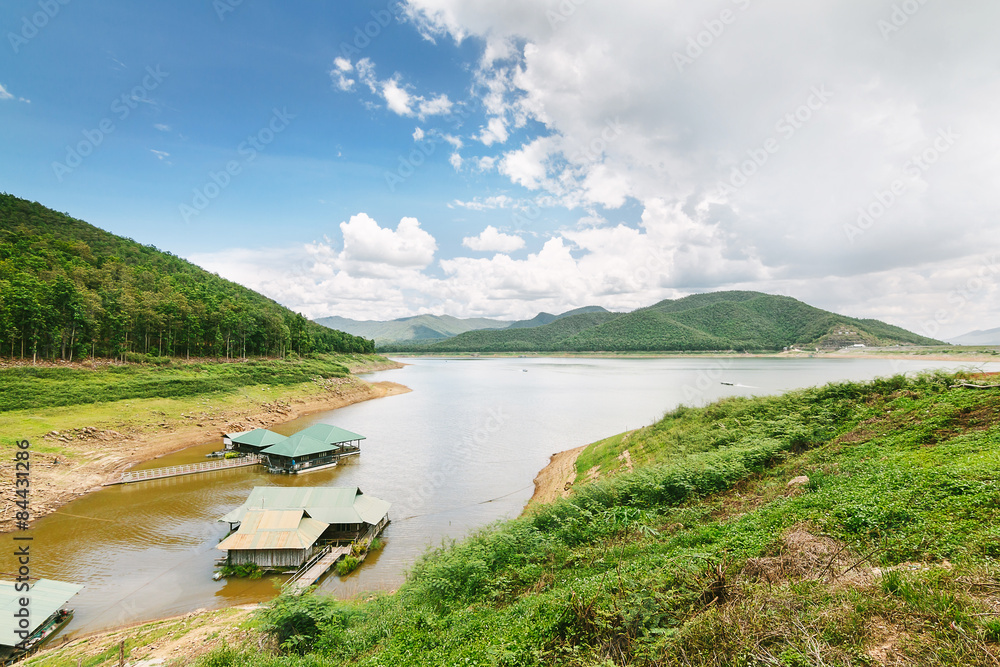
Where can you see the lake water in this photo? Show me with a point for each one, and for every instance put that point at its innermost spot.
(458, 452)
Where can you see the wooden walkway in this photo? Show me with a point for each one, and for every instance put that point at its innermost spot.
(189, 469)
(310, 573)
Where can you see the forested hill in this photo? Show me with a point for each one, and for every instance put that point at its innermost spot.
(712, 321)
(69, 289)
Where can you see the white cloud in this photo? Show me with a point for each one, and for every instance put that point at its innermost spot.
(526, 166)
(366, 242)
(160, 155)
(6, 95)
(492, 240)
(436, 106)
(396, 98)
(495, 132)
(483, 203)
(418, 134)
(161, 127)
(455, 160)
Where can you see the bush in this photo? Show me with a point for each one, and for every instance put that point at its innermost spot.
(249, 570)
(297, 621)
(347, 564)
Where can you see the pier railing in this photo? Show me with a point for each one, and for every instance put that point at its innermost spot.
(187, 469)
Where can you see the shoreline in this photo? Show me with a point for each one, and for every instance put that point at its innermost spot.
(69, 464)
(876, 353)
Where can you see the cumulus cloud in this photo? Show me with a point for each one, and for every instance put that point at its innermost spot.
(493, 240)
(365, 242)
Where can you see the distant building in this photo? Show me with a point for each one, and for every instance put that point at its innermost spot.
(318, 446)
(281, 527)
(251, 442)
(45, 599)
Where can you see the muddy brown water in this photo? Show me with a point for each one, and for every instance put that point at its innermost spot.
(457, 453)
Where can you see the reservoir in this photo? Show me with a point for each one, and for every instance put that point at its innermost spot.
(457, 453)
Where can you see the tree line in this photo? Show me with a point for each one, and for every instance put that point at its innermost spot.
(68, 289)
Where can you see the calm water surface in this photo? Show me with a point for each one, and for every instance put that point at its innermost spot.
(457, 453)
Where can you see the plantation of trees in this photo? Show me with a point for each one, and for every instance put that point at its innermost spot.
(69, 289)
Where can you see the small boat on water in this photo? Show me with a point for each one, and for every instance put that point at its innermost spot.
(728, 384)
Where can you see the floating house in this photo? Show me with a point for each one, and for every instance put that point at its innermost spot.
(251, 442)
(319, 446)
(23, 631)
(274, 539)
(280, 527)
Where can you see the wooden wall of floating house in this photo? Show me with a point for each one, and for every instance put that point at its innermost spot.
(270, 557)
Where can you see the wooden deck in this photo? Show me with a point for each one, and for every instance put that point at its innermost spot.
(189, 469)
(310, 573)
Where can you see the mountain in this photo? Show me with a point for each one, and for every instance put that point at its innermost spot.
(415, 328)
(429, 328)
(988, 337)
(712, 321)
(68, 288)
(542, 319)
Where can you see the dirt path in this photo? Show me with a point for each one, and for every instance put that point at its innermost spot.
(99, 452)
(172, 642)
(556, 479)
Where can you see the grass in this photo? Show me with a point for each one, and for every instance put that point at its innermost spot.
(128, 398)
(704, 555)
(28, 387)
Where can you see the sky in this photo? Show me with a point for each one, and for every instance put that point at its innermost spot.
(376, 160)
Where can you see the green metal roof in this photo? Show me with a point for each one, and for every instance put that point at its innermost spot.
(45, 598)
(259, 437)
(327, 504)
(316, 439)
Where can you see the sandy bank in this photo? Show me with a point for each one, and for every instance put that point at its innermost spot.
(555, 480)
(66, 464)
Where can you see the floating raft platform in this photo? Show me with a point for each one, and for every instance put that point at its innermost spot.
(130, 476)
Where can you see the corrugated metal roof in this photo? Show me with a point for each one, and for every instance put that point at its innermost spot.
(274, 529)
(328, 504)
(313, 440)
(45, 598)
(259, 437)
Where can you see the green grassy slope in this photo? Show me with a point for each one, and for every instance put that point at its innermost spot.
(713, 321)
(69, 289)
(31, 387)
(705, 555)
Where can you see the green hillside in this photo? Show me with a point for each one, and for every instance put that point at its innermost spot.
(69, 289)
(715, 321)
(535, 339)
(431, 328)
(543, 318)
(853, 524)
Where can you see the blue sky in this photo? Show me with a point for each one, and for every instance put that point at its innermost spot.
(380, 159)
